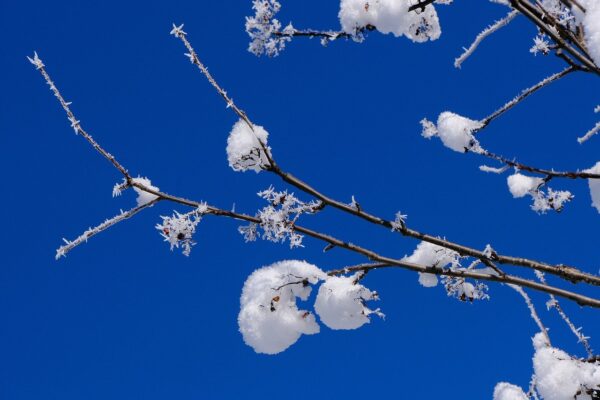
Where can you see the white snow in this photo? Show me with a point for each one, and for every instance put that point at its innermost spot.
(455, 131)
(591, 25)
(341, 301)
(521, 185)
(390, 16)
(431, 255)
(269, 318)
(594, 185)
(144, 197)
(560, 376)
(507, 391)
(244, 151)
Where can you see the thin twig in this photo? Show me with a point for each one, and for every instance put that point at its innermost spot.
(483, 34)
(83, 238)
(532, 310)
(523, 95)
(75, 124)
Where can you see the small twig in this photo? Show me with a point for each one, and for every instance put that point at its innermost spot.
(532, 310)
(581, 338)
(523, 95)
(83, 238)
(483, 34)
(75, 124)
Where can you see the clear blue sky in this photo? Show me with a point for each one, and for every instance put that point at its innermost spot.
(124, 318)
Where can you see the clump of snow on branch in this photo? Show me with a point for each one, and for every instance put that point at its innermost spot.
(594, 185)
(179, 229)
(278, 218)
(432, 255)
(143, 196)
(244, 149)
(390, 16)
(341, 300)
(560, 376)
(269, 318)
(262, 28)
(507, 391)
(455, 131)
(521, 185)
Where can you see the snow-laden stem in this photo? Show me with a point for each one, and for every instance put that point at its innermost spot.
(483, 34)
(567, 273)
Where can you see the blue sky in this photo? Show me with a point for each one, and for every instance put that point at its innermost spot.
(123, 317)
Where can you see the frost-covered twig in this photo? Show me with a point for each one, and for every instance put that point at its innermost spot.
(553, 303)
(589, 133)
(523, 95)
(533, 312)
(178, 32)
(83, 238)
(75, 123)
(483, 34)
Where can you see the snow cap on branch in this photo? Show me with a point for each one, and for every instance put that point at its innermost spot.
(521, 185)
(244, 151)
(341, 301)
(431, 255)
(143, 196)
(390, 16)
(455, 131)
(269, 318)
(594, 185)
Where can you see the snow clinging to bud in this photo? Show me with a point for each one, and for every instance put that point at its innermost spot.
(244, 151)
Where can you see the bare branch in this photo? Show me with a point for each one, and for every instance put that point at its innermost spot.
(532, 310)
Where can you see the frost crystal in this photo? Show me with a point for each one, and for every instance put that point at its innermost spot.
(179, 229)
(432, 255)
(143, 196)
(244, 151)
(341, 302)
(399, 222)
(594, 185)
(540, 45)
(262, 28)
(390, 16)
(269, 318)
(463, 290)
(36, 61)
(278, 218)
(455, 131)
